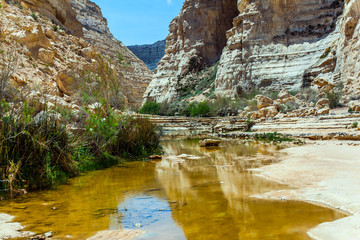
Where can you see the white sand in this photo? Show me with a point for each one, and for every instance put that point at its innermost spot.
(326, 173)
(9, 229)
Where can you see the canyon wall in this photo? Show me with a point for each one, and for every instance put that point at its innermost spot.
(270, 44)
(137, 75)
(63, 37)
(197, 35)
(60, 13)
(273, 43)
(150, 54)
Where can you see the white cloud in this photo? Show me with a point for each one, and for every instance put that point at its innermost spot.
(168, 1)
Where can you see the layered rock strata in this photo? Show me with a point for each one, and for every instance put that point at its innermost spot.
(197, 37)
(273, 43)
(270, 45)
(136, 74)
(151, 54)
(60, 13)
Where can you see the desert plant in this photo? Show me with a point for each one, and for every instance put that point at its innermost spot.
(34, 16)
(334, 97)
(354, 124)
(102, 81)
(136, 136)
(33, 152)
(308, 95)
(202, 110)
(150, 107)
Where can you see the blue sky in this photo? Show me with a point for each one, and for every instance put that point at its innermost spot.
(139, 21)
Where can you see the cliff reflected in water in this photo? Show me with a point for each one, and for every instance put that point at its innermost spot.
(193, 193)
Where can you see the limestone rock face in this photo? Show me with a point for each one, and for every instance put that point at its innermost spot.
(137, 75)
(48, 58)
(196, 35)
(59, 11)
(273, 43)
(151, 54)
(347, 68)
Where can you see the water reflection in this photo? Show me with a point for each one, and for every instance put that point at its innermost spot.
(193, 193)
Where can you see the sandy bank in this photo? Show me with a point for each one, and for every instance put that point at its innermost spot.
(11, 229)
(326, 173)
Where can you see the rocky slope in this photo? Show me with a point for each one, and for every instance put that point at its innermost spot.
(48, 55)
(151, 54)
(270, 45)
(137, 75)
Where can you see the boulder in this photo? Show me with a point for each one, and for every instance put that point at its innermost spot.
(64, 82)
(354, 105)
(284, 94)
(323, 102)
(268, 112)
(155, 157)
(209, 142)
(46, 56)
(263, 101)
(325, 110)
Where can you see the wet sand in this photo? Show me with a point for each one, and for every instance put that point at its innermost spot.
(325, 173)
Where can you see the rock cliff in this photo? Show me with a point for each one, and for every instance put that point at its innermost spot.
(60, 13)
(137, 75)
(269, 45)
(151, 54)
(55, 38)
(197, 37)
(273, 43)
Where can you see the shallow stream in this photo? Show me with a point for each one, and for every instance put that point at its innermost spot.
(193, 193)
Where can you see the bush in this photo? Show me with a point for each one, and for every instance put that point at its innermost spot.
(136, 136)
(150, 108)
(334, 98)
(34, 152)
(202, 110)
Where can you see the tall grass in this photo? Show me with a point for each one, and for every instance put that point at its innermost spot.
(33, 152)
(37, 150)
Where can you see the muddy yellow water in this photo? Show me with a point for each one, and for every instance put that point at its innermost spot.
(192, 193)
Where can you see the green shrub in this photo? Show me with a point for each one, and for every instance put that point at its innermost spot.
(203, 109)
(150, 108)
(273, 137)
(190, 110)
(136, 137)
(354, 124)
(334, 98)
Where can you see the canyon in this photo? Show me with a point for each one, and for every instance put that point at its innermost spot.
(151, 54)
(262, 45)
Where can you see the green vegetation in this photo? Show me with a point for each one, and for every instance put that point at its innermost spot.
(273, 137)
(37, 151)
(55, 27)
(334, 97)
(34, 16)
(354, 124)
(101, 81)
(150, 108)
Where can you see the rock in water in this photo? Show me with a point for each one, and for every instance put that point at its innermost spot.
(209, 142)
